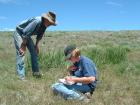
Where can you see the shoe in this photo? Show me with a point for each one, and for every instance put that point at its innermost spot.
(88, 95)
(37, 74)
(22, 78)
(84, 99)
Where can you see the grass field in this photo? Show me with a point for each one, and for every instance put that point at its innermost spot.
(117, 55)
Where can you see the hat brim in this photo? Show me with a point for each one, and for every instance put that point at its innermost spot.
(68, 56)
(49, 19)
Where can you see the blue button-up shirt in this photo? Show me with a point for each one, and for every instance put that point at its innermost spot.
(32, 26)
(86, 68)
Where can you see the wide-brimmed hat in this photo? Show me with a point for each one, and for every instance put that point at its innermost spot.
(51, 17)
(68, 51)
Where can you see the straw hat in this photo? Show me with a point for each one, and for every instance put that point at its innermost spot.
(51, 17)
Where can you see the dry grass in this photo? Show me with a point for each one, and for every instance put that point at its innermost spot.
(118, 85)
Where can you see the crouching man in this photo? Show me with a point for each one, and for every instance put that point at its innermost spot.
(83, 79)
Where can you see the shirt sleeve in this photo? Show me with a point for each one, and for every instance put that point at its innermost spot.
(29, 29)
(89, 70)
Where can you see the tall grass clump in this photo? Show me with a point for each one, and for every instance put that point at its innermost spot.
(109, 55)
(116, 55)
(52, 59)
(101, 56)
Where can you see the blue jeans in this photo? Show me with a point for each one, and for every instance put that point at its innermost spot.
(71, 91)
(20, 65)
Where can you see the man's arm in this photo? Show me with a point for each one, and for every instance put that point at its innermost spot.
(84, 80)
(22, 48)
(27, 32)
(37, 45)
(29, 29)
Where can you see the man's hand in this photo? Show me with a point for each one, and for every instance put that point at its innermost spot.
(72, 68)
(22, 50)
(37, 45)
(69, 79)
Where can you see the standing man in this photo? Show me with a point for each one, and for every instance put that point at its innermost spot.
(22, 38)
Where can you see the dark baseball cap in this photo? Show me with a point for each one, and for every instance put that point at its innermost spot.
(68, 51)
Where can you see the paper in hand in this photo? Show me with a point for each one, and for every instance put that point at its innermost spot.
(66, 82)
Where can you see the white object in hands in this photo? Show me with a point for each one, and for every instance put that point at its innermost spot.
(66, 82)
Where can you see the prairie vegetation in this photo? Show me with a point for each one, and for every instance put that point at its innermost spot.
(116, 54)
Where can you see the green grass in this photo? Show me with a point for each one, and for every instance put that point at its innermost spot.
(117, 55)
(108, 55)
